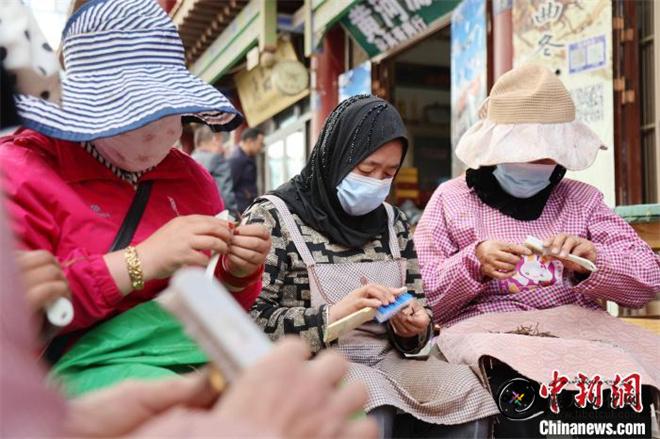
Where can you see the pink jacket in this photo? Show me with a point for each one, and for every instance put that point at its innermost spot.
(456, 221)
(63, 200)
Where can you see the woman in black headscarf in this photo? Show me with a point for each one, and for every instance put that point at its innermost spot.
(339, 248)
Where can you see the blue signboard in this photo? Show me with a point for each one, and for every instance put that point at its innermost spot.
(589, 54)
(356, 81)
(469, 58)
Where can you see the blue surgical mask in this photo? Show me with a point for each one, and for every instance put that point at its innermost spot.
(523, 180)
(360, 195)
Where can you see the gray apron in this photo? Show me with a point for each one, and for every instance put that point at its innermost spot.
(431, 390)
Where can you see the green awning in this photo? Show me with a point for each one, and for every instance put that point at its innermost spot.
(379, 29)
(320, 16)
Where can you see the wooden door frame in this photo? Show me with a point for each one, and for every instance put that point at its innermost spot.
(627, 137)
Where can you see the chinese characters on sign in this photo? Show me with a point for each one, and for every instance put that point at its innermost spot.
(381, 25)
(574, 40)
(626, 391)
(398, 26)
(547, 13)
(546, 45)
(589, 103)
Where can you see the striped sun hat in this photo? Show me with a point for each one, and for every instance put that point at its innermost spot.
(125, 67)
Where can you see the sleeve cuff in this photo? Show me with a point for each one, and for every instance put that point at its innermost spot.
(248, 295)
(591, 282)
(239, 283)
(104, 283)
(471, 262)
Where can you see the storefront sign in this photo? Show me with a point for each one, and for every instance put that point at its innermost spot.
(265, 91)
(381, 25)
(290, 77)
(468, 69)
(575, 41)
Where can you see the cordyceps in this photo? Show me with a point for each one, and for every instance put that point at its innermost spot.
(532, 331)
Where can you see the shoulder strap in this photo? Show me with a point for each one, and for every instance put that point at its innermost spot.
(133, 216)
(301, 244)
(56, 348)
(292, 227)
(394, 241)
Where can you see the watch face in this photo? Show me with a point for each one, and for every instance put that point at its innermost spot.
(516, 398)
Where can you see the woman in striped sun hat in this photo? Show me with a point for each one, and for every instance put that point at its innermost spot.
(125, 67)
(72, 170)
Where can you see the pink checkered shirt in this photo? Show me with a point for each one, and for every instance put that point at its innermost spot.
(456, 220)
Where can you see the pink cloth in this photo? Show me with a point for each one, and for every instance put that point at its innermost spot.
(456, 221)
(589, 341)
(27, 408)
(63, 200)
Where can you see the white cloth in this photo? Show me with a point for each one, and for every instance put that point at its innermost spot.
(573, 145)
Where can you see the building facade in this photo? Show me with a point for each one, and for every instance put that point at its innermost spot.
(286, 63)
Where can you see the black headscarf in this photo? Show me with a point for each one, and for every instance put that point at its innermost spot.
(488, 189)
(355, 129)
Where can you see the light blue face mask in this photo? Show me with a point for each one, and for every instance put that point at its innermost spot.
(523, 180)
(360, 195)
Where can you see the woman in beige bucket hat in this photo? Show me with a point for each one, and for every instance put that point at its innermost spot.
(470, 237)
(475, 268)
(529, 116)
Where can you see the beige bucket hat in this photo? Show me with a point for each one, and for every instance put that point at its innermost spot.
(529, 116)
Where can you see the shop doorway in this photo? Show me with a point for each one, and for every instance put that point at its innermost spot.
(417, 81)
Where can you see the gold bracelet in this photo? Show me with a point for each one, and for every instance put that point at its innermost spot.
(134, 268)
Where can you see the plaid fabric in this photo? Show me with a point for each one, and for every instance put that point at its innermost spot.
(285, 305)
(455, 221)
(431, 390)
